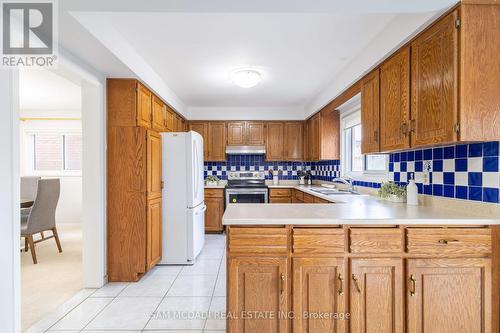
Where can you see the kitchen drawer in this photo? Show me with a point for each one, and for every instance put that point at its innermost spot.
(298, 195)
(280, 200)
(258, 240)
(320, 200)
(318, 240)
(280, 192)
(308, 198)
(376, 240)
(214, 193)
(457, 241)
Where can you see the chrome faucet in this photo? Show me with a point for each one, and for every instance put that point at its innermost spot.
(346, 181)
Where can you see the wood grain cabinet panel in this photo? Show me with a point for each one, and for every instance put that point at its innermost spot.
(159, 121)
(376, 240)
(395, 102)
(216, 141)
(154, 225)
(202, 129)
(293, 141)
(258, 240)
(434, 73)
(170, 120)
(280, 200)
(255, 133)
(319, 287)
(318, 241)
(144, 104)
(449, 295)
(298, 196)
(154, 178)
(275, 141)
(313, 138)
(370, 114)
(214, 200)
(377, 296)
(236, 133)
(280, 192)
(258, 284)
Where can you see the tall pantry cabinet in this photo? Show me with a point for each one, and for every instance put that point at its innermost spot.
(134, 178)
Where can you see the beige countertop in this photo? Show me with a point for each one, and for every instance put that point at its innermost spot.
(350, 209)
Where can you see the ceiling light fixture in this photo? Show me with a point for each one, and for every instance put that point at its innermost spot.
(246, 78)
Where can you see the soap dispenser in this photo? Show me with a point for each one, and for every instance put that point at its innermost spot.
(412, 193)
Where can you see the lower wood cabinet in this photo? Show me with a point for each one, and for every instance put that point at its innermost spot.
(377, 295)
(332, 288)
(214, 200)
(257, 295)
(153, 232)
(449, 295)
(319, 287)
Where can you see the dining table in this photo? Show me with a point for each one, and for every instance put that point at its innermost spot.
(26, 202)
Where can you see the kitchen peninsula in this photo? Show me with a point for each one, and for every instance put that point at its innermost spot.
(360, 262)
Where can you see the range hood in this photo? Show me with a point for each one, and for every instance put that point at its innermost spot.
(245, 150)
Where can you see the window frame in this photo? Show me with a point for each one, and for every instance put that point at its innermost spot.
(29, 153)
(349, 119)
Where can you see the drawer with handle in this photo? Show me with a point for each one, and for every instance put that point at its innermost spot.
(449, 241)
(280, 192)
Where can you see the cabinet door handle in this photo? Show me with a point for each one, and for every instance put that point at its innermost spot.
(404, 129)
(282, 283)
(448, 241)
(413, 125)
(341, 284)
(375, 135)
(356, 283)
(413, 285)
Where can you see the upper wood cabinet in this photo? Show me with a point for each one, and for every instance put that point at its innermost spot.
(144, 104)
(258, 284)
(170, 120)
(159, 112)
(249, 133)
(319, 286)
(216, 141)
(293, 141)
(370, 116)
(434, 72)
(323, 135)
(275, 142)
(449, 295)
(201, 127)
(395, 102)
(236, 133)
(377, 296)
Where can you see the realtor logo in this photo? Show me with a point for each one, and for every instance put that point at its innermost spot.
(28, 34)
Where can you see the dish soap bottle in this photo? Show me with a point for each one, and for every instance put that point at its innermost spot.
(412, 193)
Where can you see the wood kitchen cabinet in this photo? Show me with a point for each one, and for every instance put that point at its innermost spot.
(449, 295)
(201, 127)
(434, 72)
(214, 200)
(216, 141)
(280, 195)
(319, 287)
(154, 162)
(377, 295)
(153, 230)
(293, 144)
(258, 284)
(159, 115)
(249, 133)
(395, 102)
(275, 142)
(170, 120)
(144, 100)
(323, 135)
(370, 121)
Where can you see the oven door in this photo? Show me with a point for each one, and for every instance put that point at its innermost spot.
(242, 195)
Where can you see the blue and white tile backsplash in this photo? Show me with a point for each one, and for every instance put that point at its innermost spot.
(324, 170)
(463, 171)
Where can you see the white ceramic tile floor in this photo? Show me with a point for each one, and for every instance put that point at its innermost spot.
(158, 303)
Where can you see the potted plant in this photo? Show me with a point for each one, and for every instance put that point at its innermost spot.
(392, 192)
(212, 180)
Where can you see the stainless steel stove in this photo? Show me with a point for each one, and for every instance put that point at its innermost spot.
(246, 187)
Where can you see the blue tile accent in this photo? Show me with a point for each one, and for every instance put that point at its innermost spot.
(418, 155)
(410, 156)
(461, 164)
(437, 165)
(475, 179)
(449, 178)
(419, 166)
(461, 151)
(428, 189)
(449, 152)
(402, 166)
(490, 164)
(437, 153)
(428, 154)
(461, 192)
(476, 150)
(475, 193)
(491, 195)
(490, 148)
(437, 189)
(449, 191)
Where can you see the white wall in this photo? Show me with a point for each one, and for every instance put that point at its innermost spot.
(69, 207)
(246, 113)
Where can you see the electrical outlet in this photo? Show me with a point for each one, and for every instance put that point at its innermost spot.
(426, 174)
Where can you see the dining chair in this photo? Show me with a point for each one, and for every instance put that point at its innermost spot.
(42, 216)
(29, 187)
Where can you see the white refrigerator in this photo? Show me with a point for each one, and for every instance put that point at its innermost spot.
(183, 233)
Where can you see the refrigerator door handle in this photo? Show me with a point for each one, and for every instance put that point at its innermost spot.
(195, 169)
(202, 210)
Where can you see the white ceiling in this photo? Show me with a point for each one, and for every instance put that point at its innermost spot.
(43, 92)
(308, 51)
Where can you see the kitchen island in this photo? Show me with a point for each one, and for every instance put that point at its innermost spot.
(360, 264)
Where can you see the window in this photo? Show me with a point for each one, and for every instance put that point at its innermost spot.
(355, 164)
(54, 153)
